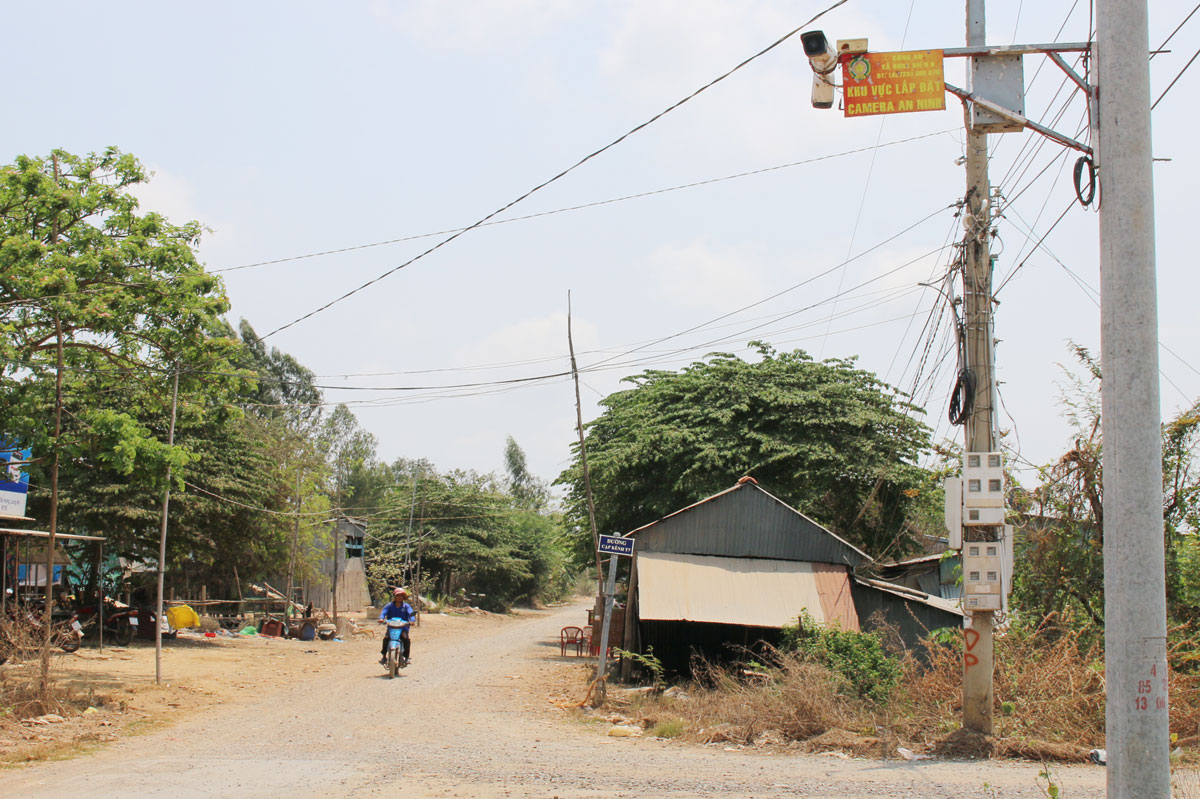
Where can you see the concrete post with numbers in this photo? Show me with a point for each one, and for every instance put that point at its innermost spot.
(1134, 583)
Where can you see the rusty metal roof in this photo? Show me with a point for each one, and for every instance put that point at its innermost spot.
(43, 534)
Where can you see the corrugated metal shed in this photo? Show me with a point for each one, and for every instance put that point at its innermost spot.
(746, 522)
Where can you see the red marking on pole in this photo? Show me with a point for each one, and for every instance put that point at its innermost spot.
(970, 639)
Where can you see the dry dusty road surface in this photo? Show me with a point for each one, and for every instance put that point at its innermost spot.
(471, 718)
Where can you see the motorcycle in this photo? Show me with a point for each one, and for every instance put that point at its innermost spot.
(120, 624)
(395, 650)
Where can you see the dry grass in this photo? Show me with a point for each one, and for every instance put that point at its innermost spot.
(1047, 689)
(1185, 784)
(20, 678)
(1049, 694)
(795, 701)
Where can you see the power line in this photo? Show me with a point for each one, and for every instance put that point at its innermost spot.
(1158, 49)
(1034, 248)
(561, 174)
(580, 207)
(1176, 80)
(777, 294)
(862, 202)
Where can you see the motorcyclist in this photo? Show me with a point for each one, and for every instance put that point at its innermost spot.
(398, 608)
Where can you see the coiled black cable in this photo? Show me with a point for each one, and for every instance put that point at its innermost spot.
(962, 399)
(1085, 163)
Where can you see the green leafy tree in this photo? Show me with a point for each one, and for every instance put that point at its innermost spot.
(98, 300)
(524, 487)
(830, 439)
(1061, 550)
(471, 535)
(285, 389)
(351, 451)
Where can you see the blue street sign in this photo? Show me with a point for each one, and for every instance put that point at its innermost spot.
(616, 545)
(14, 480)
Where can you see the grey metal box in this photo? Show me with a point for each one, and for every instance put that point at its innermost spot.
(1000, 79)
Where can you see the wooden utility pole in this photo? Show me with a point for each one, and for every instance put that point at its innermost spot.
(287, 605)
(48, 620)
(978, 667)
(162, 537)
(338, 543)
(587, 478)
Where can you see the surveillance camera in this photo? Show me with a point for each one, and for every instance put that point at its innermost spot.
(824, 60)
(815, 44)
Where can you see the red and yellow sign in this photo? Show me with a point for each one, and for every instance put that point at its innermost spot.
(893, 83)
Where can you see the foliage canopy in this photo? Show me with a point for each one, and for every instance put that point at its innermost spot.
(830, 439)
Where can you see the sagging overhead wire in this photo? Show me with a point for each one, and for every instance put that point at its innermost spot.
(616, 360)
(582, 206)
(557, 177)
(777, 294)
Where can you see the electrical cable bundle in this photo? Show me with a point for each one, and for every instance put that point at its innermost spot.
(962, 398)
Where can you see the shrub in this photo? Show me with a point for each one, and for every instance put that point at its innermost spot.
(859, 657)
(668, 729)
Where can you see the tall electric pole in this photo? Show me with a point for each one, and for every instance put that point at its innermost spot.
(1134, 583)
(980, 425)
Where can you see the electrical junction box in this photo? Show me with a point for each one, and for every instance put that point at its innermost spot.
(952, 486)
(851, 46)
(1007, 563)
(981, 602)
(982, 566)
(983, 517)
(1000, 79)
(983, 575)
(983, 488)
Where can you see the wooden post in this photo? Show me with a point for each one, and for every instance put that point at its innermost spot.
(630, 642)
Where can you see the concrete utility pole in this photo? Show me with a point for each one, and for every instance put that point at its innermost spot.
(980, 426)
(1134, 583)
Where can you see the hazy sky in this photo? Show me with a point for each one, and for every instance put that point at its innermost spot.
(297, 127)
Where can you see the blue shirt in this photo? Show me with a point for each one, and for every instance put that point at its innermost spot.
(393, 611)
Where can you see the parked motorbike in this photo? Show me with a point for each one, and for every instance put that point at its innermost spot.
(395, 650)
(120, 624)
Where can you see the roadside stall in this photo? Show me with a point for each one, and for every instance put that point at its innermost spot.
(24, 582)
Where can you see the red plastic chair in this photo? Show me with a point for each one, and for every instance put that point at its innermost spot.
(571, 636)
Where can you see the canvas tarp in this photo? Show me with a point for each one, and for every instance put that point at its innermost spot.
(754, 592)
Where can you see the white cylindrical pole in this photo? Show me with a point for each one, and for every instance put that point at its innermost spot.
(1134, 582)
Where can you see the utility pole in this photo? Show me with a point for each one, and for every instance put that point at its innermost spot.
(978, 666)
(587, 478)
(162, 538)
(1135, 630)
(287, 605)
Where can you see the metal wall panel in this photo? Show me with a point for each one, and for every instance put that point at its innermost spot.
(740, 591)
(912, 618)
(833, 584)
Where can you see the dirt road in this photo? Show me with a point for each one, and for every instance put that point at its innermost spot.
(471, 718)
